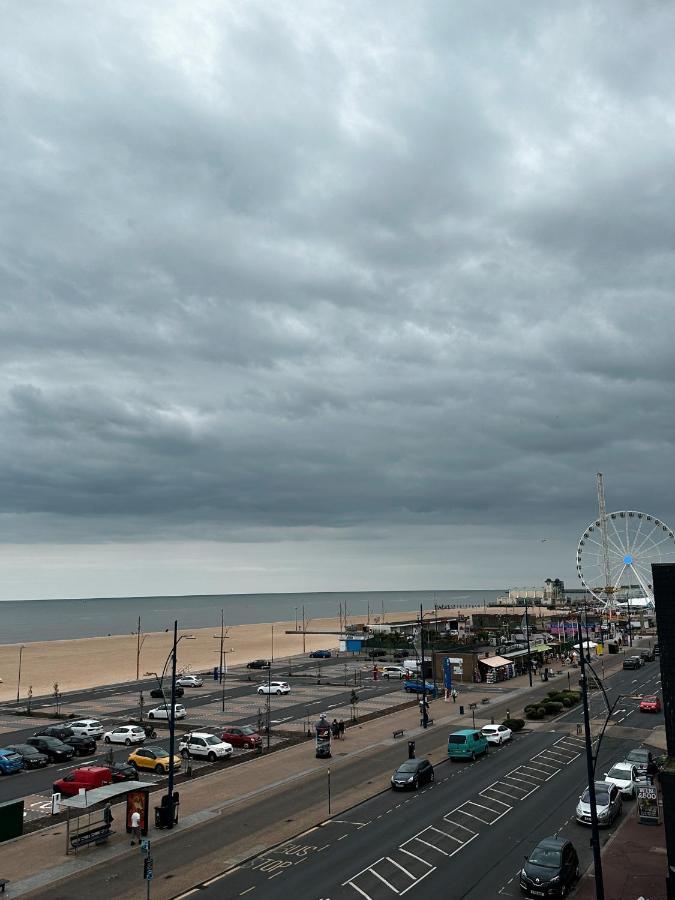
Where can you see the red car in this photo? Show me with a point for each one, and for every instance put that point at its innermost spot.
(241, 736)
(650, 704)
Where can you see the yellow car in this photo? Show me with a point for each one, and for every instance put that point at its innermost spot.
(155, 758)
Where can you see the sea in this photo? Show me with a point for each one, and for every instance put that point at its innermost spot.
(59, 619)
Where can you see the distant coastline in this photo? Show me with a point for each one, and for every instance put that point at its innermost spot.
(63, 619)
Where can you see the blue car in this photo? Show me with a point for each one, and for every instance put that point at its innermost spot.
(414, 686)
(321, 654)
(10, 762)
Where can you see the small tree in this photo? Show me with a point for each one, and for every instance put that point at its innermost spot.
(354, 701)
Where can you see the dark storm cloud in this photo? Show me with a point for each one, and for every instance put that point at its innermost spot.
(304, 265)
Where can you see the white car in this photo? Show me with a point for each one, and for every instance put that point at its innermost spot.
(208, 746)
(162, 711)
(274, 687)
(496, 734)
(625, 776)
(87, 728)
(125, 734)
(190, 681)
(393, 672)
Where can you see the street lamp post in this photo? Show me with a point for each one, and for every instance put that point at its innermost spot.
(425, 718)
(527, 635)
(18, 681)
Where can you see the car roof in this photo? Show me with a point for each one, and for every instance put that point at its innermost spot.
(201, 734)
(553, 843)
(466, 731)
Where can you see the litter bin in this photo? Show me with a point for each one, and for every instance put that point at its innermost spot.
(461, 710)
(411, 749)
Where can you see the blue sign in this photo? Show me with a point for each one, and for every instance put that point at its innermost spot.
(447, 673)
(351, 644)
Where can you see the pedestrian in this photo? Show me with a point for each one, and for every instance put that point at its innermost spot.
(335, 728)
(652, 768)
(135, 827)
(107, 815)
(341, 726)
(454, 695)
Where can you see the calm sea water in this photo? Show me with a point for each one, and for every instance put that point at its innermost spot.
(45, 620)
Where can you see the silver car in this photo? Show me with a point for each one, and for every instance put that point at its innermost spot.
(608, 802)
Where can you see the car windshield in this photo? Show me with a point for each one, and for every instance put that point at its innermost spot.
(649, 700)
(407, 767)
(548, 857)
(457, 739)
(638, 756)
(601, 796)
(619, 772)
(247, 730)
(212, 740)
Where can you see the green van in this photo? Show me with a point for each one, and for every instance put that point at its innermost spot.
(467, 744)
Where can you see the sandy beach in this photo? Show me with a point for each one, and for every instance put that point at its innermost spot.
(90, 662)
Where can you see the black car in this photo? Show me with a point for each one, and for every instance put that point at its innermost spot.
(639, 758)
(61, 732)
(83, 746)
(123, 772)
(551, 869)
(412, 773)
(401, 654)
(258, 664)
(32, 758)
(377, 653)
(647, 654)
(632, 662)
(161, 694)
(55, 749)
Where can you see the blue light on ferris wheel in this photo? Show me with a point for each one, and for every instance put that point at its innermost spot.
(628, 559)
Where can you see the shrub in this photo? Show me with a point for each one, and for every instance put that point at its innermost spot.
(552, 708)
(537, 712)
(514, 724)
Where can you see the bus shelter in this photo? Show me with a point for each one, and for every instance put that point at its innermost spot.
(86, 823)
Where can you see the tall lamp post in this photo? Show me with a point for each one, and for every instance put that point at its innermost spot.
(527, 635)
(18, 681)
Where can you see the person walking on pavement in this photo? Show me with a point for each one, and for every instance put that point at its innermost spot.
(107, 815)
(341, 727)
(335, 728)
(454, 695)
(652, 768)
(135, 827)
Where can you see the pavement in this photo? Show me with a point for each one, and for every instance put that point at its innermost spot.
(39, 859)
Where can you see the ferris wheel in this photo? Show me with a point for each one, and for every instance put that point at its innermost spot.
(616, 552)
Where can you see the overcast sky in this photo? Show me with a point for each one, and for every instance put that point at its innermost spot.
(318, 295)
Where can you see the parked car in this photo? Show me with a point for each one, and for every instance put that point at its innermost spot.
(401, 654)
(258, 664)
(125, 734)
(632, 662)
(83, 746)
(87, 728)
(163, 710)
(189, 681)
(30, 756)
(497, 734)
(207, 746)
(61, 732)
(376, 653)
(122, 771)
(275, 687)
(162, 693)
(55, 749)
(467, 744)
(650, 704)
(242, 736)
(647, 654)
(412, 773)
(320, 654)
(639, 757)
(608, 803)
(551, 869)
(393, 672)
(10, 761)
(90, 777)
(154, 758)
(626, 777)
(414, 686)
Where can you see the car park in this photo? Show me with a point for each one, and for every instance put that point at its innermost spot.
(122, 771)
(82, 779)
(393, 672)
(163, 711)
(651, 704)
(608, 803)
(412, 773)
(551, 869)
(467, 743)
(159, 693)
(626, 777)
(30, 756)
(87, 728)
(55, 749)
(125, 734)
(10, 761)
(83, 746)
(320, 654)
(497, 734)
(242, 736)
(154, 758)
(189, 681)
(258, 664)
(632, 662)
(205, 745)
(275, 687)
(639, 757)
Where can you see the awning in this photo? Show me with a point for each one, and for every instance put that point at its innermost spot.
(107, 792)
(514, 654)
(496, 661)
